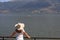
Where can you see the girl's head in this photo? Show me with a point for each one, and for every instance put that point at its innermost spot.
(20, 26)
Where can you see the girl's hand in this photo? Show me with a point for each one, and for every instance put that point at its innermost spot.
(29, 37)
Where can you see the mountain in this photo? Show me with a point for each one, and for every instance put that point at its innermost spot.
(23, 6)
(34, 5)
(53, 9)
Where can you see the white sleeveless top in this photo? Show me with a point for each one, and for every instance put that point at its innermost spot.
(20, 35)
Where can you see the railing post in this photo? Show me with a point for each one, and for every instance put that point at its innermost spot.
(2, 38)
(34, 38)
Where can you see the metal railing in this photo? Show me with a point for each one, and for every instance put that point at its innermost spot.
(3, 37)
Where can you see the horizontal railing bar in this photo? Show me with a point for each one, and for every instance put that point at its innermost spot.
(32, 37)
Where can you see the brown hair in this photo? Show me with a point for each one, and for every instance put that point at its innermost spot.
(18, 31)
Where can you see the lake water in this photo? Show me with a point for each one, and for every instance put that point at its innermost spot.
(45, 25)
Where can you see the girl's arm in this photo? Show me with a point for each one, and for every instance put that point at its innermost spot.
(26, 35)
(13, 34)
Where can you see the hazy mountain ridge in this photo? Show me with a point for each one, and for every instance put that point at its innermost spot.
(30, 6)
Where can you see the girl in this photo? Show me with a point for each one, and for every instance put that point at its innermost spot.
(20, 31)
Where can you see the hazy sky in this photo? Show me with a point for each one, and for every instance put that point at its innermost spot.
(4, 0)
(15, 0)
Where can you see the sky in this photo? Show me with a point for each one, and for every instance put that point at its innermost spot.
(15, 0)
(4, 0)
